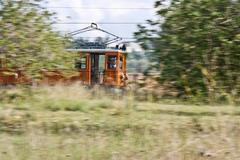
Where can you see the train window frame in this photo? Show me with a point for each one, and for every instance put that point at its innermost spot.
(121, 62)
(114, 66)
(81, 63)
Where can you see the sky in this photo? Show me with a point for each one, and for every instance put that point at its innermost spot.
(75, 13)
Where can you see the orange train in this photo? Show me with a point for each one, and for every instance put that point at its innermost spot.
(102, 66)
(94, 67)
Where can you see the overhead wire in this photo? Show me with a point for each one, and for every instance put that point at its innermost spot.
(101, 8)
(103, 23)
(84, 23)
(121, 37)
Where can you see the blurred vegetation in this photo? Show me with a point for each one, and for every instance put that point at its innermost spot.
(193, 51)
(136, 62)
(27, 39)
(194, 46)
(70, 122)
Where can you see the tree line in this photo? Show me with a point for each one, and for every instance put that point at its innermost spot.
(195, 46)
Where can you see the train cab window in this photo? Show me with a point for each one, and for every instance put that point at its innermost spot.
(81, 63)
(112, 62)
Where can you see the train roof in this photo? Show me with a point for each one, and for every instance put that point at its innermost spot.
(97, 50)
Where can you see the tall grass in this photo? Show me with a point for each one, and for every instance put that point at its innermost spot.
(75, 123)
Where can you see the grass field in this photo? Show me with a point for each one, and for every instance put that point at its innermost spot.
(70, 123)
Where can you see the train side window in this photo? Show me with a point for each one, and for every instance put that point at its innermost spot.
(81, 63)
(112, 62)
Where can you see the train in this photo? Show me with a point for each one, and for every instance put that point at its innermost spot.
(94, 66)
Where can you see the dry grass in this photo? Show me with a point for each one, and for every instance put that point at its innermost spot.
(58, 123)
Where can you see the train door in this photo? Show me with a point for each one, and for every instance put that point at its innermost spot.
(94, 69)
(83, 64)
(101, 68)
(97, 68)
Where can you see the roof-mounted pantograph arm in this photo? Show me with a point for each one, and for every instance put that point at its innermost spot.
(93, 27)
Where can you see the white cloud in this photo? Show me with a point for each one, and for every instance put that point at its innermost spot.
(94, 15)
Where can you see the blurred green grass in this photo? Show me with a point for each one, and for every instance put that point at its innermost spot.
(75, 123)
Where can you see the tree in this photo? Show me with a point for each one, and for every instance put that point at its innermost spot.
(80, 43)
(196, 46)
(26, 36)
(136, 62)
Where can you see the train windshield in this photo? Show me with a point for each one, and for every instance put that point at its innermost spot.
(112, 62)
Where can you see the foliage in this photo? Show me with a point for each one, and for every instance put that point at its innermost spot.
(26, 36)
(196, 46)
(98, 43)
(136, 62)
